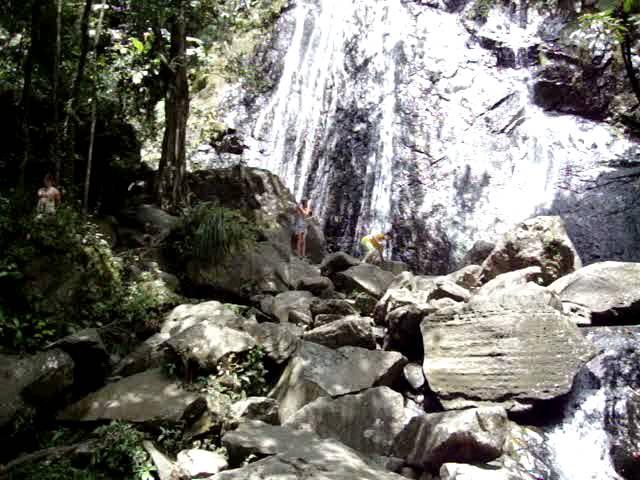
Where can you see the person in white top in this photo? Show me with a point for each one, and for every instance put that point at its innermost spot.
(303, 214)
(49, 197)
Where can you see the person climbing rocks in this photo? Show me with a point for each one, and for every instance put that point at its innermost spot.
(303, 215)
(49, 197)
(372, 244)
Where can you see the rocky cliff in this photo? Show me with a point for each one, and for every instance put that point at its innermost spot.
(449, 121)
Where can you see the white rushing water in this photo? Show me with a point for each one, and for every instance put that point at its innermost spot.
(387, 111)
(580, 445)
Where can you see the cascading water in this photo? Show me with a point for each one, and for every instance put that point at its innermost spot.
(598, 421)
(387, 112)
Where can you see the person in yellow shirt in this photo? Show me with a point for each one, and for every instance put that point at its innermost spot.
(372, 244)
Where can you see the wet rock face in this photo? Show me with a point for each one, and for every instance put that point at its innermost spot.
(617, 373)
(446, 145)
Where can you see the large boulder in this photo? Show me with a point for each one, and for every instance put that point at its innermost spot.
(295, 300)
(366, 278)
(540, 241)
(262, 198)
(264, 409)
(317, 371)
(188, 315)
(39, 380)
(333, 306)
(478, 253)
(295, 454)
(196, 463)
(146, 397)
(466, 436)
(146, 356)
(337, 262)
(602, 293)
(367, 421)
(205, 344)
(463, 471)
(352, 330)
(317, 285)
(90, 358)
(293, 271)
(516, 278)
(278, 340)
(516, 356)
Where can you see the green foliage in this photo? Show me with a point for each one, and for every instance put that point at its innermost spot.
(212, 233)
(480, 10)
(121, 452)
(59, 275)
(58, 469)
(238, 375)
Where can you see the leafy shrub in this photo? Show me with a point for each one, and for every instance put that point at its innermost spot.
(121, 452)
(58, 275)
(211, 232)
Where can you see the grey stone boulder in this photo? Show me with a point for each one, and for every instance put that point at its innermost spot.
(278, 340)
(197, 463)
(365, 304)
(445, 288)
(351, 330)
(403, 329)
(145, 397)
(469, 277)
(527, 295)
(394, 266)
(317, 371)
(264, 409)
(602, 293)
(287, 302)
(396, 298)
(463, 471)
(318, 285)
(89, 355)
(296, 270)
(516, 356)
(333, 306)
(35, 381)
(165, 468)
(205, 344)
(295, 454)
(478, 253)
(364, 278)
(187, 315)
(301, 319)
(466, 436)
(337, 262)
(149, 354)
(516, 278)
(540, 241)
(326, 318)
(367, 421)
(414, 375)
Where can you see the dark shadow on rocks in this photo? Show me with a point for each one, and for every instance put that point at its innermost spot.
(602, 215)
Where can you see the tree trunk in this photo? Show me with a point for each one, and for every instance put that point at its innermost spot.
(56, 80)
(625, 47)
(171, 190)
(69, 122)
(94, 102)
(25, 101)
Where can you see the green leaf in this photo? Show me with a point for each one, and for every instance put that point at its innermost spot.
(139, 46)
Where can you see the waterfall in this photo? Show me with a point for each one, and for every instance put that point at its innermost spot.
(388, 112)
(580, 444)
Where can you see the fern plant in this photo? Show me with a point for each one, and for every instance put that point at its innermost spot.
(213, 233)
